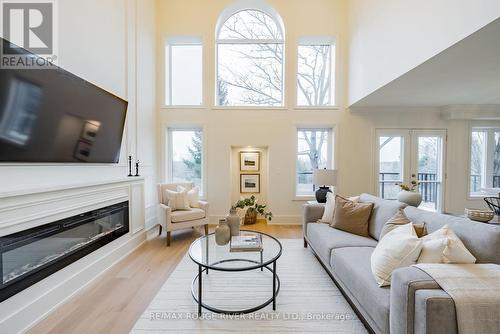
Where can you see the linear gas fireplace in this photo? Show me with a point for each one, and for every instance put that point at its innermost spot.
(29, 256)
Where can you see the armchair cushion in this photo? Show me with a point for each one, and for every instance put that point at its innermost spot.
(183, 216)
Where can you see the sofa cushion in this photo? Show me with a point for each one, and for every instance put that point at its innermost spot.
(184, 216)
(324, 238)
(482, 240)
(383, 210)
(352, 266)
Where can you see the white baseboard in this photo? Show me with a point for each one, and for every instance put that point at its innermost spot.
(25, 309)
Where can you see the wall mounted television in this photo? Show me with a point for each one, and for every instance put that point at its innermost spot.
(52, 116)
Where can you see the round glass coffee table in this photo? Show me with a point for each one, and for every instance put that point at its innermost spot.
(205, 252)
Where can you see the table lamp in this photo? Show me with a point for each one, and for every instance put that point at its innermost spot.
(324, 178)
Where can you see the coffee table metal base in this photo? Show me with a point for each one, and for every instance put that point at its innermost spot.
(198, 279)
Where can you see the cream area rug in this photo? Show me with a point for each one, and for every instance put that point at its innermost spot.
(308, 300)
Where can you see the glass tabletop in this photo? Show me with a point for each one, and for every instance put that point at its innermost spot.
(205, 252)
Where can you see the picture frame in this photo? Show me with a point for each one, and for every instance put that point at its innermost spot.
(89, 131)
(250, 183)
(82, 150)
(249, 161)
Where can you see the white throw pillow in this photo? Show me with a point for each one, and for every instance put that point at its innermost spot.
(177, 200)
(329, 209)
(454, 252)
(432, 250)
(399, 248)
(193, 196)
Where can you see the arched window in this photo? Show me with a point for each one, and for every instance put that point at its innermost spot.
(250, 58)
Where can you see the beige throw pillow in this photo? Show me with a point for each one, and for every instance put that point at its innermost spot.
(351, 217)
(193, 196)
(398, 220)
(399, 248)
(177, 200)
(454, 251)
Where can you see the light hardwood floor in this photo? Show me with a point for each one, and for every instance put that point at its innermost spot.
(114, 302)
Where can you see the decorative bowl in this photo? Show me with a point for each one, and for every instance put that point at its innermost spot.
(479, 215)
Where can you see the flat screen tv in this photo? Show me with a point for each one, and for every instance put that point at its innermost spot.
(52, 116)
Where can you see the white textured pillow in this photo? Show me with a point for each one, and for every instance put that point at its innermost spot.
(329, 209)
(432, 250)
(454, 252)
(193, 196)
(177, 200)
(399, 248)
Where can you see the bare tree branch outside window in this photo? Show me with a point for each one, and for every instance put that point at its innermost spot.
(250, 52)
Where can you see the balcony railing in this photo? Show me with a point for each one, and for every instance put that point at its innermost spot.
(475, 182)
(428, 187)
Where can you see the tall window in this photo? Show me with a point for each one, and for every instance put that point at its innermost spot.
(184, 72)
(484, 160)
(314, 151)
(185, 156)
(316, 72)
(250, 60)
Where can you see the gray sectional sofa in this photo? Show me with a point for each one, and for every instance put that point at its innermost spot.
(414, 303)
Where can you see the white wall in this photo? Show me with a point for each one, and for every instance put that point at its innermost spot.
(111, 43)
(105, 42)
(276, 129)
(387, 38)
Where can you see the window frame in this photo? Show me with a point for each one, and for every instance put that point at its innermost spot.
(331, 154)
(490, 129)
(168, 158)
(237, 7)
(409, 159)
(334, 66)
(167, 70)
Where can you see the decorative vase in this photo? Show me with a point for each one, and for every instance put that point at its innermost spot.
(412, 198)
(250, 217)
(222, 233)
(233, 220)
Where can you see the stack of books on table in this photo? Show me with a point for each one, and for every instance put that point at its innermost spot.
(246, 242)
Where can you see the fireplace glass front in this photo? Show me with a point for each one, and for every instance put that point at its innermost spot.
(31, 255)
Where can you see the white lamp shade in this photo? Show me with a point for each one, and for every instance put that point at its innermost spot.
(325, 177)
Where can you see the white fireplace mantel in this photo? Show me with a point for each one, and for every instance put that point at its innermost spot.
(27, 208)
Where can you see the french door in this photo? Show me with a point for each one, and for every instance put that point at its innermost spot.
(407, 154)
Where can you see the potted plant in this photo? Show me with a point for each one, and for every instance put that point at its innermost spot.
(409, 192)
(253, 209)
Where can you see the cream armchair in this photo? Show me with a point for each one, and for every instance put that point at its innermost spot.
(180, 219)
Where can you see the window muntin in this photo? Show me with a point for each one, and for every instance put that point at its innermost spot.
(314, 151)
(184, 73)
(316, 74)
(250, 61)
(484, 160)
(185, 156)
(250, 25)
